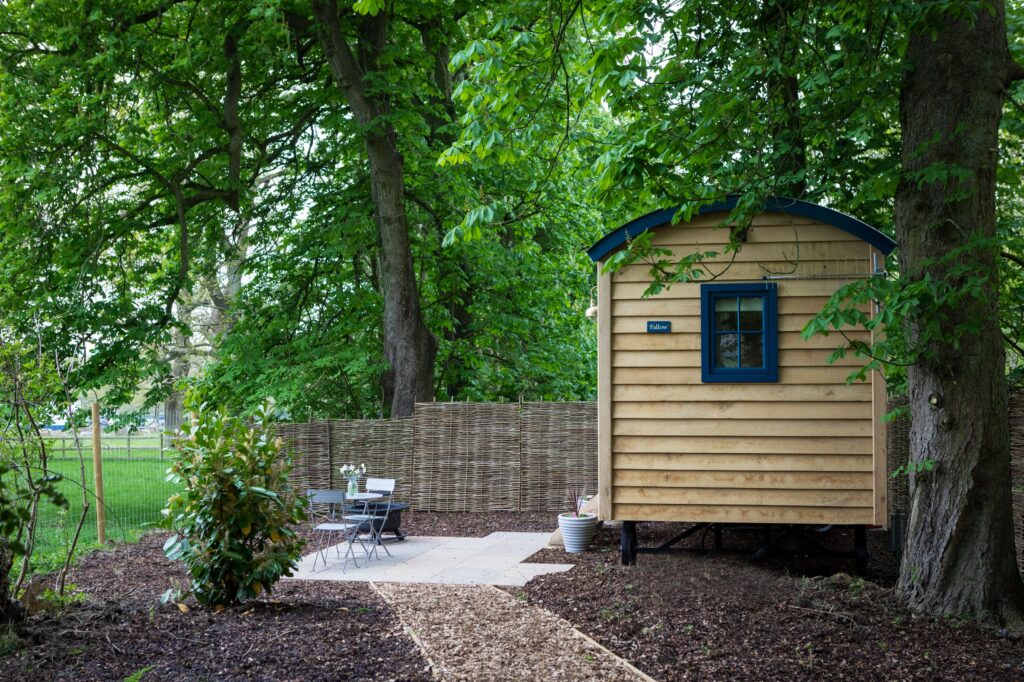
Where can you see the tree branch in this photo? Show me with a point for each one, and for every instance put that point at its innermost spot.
(1013, 258)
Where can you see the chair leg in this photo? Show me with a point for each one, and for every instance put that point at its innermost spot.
(376, 536)
(350, 550)
(380, 540)
(322, 547)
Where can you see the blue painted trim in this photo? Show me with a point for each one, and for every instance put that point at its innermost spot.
(795, 207)
(709, 374)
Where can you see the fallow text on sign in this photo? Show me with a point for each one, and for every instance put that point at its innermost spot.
(659, 326)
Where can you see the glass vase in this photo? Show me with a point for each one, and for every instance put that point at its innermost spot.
(353, 486)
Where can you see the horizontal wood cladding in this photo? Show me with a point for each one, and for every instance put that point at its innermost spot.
(684, 303)
(800, 480)
(795, 451)
(758, 252)
(691, 358)
(645, 341)
(796, 411)
(742, 462)
(690, 324)
(839, 271)
(745, 392)
(796, 288)
(805, 307)
(743, 496)
(742, 427)
(691, 375)
(740, 514)
(766, 445)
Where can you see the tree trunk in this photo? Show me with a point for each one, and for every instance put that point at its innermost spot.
(959, 558)
(783, 91)
(11, 610)
(409, 347)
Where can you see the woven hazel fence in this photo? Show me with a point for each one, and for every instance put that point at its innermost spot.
(898, 450)
(321, 447)
(467, 456)
(474, 457)
(559, 448)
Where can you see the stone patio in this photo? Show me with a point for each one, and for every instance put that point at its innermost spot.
(492, 560)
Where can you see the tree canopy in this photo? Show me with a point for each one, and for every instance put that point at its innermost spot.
(349, 207)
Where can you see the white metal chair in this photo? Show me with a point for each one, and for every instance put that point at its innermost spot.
(386, 487)
(333, 522)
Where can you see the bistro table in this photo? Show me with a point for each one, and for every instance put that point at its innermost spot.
(362, 498)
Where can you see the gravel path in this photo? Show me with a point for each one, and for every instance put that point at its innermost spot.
(474, 632)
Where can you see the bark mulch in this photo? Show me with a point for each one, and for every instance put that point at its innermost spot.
(721, 616)
(303, 631)
(692, 616)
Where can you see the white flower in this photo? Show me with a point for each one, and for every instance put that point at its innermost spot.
(352, 471)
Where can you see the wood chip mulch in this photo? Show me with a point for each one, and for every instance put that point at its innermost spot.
(707, 616)
(476, 632)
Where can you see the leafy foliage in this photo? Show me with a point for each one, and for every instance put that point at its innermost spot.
(199, 204)
(28, 387)
(232, 521)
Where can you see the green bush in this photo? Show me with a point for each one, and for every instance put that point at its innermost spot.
(232, 522)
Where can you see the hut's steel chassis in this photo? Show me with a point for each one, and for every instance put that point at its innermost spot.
(773, 535)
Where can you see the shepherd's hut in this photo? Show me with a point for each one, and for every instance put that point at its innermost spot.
(712, 409)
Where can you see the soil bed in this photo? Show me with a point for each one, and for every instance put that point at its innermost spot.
(701, 615)
(718, 615)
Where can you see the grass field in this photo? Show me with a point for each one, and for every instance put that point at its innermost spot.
(134, 490)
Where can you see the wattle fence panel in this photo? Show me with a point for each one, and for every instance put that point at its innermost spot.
(474, 457)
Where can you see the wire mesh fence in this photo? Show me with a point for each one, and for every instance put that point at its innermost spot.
(134, 471)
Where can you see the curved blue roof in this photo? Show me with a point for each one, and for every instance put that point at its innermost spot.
(796, 207)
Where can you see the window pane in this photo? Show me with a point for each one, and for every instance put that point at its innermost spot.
(752, 352)
(725, 313)
(751, 314)
(726, 350)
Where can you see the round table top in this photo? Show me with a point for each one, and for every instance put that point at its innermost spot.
(363, 497)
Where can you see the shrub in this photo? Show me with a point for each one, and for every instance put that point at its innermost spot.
(232, 520)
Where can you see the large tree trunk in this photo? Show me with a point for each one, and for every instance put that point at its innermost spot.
(409, 347)
(781, 44)
(959, 558)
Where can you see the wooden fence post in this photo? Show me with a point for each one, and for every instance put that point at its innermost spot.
(97, 471)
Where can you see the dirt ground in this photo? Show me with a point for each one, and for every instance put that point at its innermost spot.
(721, 616)
(681, 616)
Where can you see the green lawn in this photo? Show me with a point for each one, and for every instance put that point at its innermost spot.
(135, 492)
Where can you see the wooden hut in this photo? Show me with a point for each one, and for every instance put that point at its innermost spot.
(711, 408)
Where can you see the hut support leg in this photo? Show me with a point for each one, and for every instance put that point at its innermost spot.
(628, 543)
(860, 549)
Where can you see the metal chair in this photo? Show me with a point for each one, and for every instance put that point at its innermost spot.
(386, 487)
(334, 521)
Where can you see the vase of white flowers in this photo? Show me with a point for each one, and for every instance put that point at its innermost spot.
(352, 473)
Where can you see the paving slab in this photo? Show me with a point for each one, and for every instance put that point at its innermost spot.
(492, 560)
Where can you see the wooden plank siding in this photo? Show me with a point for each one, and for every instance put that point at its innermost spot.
(801, 450)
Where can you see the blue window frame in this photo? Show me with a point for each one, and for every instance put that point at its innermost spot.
(739, 332)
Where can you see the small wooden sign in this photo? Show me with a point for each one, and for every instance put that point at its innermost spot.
(659, 326)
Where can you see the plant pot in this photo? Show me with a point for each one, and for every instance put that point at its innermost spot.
(577, 531)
